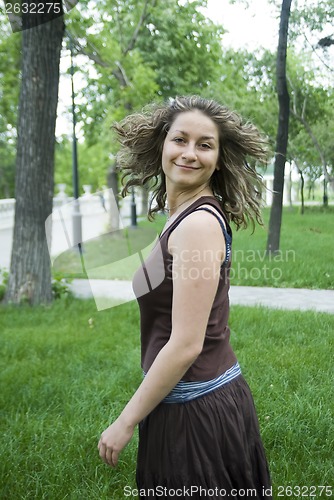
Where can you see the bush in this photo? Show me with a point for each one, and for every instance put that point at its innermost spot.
(60, 287)
(3, 282)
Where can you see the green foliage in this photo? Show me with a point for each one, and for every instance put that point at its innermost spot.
(142, 54)
(183, 47)
(4, 275)
(247, 84)
(131, 52)
(312, 115)
(311, 15)
(304, 86)
(63, 163)
(61, 288)
(134, 63)
(93, 163)
(10, 74)
(324, 131)
(10, 63)
(7, 161)
(121, 79)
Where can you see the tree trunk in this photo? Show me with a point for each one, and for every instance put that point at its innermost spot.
(282, 132)
(144, 199)
(290, 186)
(112, 181)
(30, 271)
(302, 184)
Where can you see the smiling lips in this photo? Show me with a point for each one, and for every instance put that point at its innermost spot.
(188, 167)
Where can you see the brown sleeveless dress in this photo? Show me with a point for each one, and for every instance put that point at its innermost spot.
(211, 443)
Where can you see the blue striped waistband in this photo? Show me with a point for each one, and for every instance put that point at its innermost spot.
(186, 391)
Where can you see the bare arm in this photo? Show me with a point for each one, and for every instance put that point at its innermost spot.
(197, 246)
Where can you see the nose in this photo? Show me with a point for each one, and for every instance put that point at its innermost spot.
(189, 153)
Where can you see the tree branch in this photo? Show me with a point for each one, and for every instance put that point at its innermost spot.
(141, 21)
(304, 109)
(316, 53)
(94, 56)
(118, 72)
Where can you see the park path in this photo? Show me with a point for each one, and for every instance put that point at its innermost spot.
(277, 298)
(104, 292)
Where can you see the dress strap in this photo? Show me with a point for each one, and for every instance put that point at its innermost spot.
(226, 233)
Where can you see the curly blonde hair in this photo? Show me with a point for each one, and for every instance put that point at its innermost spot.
(236, 185)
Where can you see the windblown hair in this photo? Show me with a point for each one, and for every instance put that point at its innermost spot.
(236, 185)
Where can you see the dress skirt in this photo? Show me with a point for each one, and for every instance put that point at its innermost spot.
(209, 447)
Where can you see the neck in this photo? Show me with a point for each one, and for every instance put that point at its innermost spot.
(179, 200)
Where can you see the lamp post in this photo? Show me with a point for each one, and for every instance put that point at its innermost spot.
(133, 208)
(76, 216)
(325, 196)
(112, 180)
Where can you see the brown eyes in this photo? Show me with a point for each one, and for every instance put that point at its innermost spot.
(181, 140)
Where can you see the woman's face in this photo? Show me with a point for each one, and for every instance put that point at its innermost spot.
(191, 149)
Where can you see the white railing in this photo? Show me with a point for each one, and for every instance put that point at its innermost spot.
(89, 204)
(97, 217)
(7, 205)
(7, 213)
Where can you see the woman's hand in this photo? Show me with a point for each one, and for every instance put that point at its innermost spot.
(113, 440)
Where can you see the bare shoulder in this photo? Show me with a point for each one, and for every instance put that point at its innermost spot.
(200, 229)
(212, 209)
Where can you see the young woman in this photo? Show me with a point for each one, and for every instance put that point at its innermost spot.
(198, 429)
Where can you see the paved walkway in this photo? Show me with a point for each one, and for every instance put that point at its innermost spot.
(277, 298)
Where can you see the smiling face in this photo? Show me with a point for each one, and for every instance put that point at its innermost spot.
(191, 149)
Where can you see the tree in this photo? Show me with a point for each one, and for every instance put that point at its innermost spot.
(141, 54)
(311, 107)
(179, 37)
(300, 115)
(282, 132)
(246, 83)
(93, 163)
(311, 119)
(30, 274)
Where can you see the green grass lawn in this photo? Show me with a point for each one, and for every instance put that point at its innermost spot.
(305, 259)
(63, 381)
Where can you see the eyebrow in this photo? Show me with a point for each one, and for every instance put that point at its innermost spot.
(204, 137)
